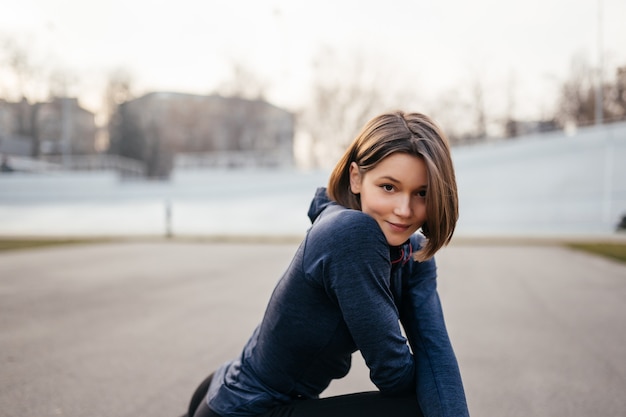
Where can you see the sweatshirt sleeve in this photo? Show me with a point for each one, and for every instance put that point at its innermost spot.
(352, 256)
(439, 387)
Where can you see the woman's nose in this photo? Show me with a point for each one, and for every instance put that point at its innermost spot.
(403, 206)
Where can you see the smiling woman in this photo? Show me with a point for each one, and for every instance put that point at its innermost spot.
(415, 150)
(353, 285)
(393, 194)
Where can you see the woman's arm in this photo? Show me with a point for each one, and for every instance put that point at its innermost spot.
(439, 387)
(352, 256)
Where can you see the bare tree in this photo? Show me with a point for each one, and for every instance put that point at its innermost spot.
(126, 137)
(243, 83)
(344, 96)
(32, 83)
(577, 100)
(510, 124)
(119, 89)
(451, 110)
(478, 101)
(19, 66)
(616, 96)
(60, 82)
(158, 155)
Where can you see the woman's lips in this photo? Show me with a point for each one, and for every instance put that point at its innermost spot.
(399, 227)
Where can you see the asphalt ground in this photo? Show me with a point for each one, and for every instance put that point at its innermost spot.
(129, 329)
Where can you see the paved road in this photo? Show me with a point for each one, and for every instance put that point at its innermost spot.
(128, 329)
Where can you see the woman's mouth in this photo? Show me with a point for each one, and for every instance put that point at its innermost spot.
(399, 227)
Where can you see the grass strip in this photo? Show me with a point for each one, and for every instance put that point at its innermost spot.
(9, 244)
(612, 250)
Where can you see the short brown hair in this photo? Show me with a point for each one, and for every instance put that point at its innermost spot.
(414, 134)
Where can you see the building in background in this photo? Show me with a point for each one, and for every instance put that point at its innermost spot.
(183, 131)
(157, 132)
(66, 128)
(48, 129)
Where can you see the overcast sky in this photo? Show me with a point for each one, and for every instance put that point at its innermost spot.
(429, 47)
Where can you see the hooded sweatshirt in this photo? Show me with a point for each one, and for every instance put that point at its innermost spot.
(345, 290)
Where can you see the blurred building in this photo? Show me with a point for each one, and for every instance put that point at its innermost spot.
(15, 128)
(56, 127)
(515, 128)
(64, 125)
(176, 130)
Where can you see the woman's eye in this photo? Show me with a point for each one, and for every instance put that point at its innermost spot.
(387, 187)
(421, 193)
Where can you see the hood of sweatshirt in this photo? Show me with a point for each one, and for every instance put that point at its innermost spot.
(319, 203)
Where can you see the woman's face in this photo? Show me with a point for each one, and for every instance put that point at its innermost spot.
(394, 194)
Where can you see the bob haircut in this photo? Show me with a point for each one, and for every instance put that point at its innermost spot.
(413, 134)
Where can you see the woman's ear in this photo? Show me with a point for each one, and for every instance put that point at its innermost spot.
(355, 178)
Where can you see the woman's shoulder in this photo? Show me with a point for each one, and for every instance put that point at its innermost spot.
(348, 223)
(340, 231)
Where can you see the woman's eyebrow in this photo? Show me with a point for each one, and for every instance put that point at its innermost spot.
(392, 179)
(389, 178)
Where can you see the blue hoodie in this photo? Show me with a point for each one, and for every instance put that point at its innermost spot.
(345, 290)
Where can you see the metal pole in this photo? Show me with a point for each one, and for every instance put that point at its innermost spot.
(608, 177)
(65, 132)
(168, 219)
(599, 93)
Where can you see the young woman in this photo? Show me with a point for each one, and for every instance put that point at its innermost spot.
(361, 274)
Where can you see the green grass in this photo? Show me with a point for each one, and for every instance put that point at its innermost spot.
(9, 244)
(615, 251)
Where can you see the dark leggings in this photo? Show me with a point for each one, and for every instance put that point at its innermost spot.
(363, 404)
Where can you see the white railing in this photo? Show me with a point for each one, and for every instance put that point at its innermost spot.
(99, 162)
(233, 159)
